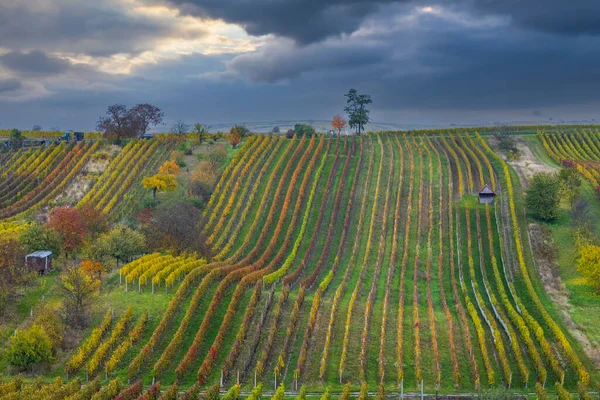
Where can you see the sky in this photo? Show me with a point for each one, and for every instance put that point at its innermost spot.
(439, 62)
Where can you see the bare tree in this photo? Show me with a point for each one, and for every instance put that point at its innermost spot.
(180, 128)
(118, 123)
(147, 115)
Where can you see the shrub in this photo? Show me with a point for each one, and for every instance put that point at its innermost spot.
(205, 173)
(29, 347)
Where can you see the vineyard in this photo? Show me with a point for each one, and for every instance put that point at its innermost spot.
(579, 149)
(348, 263)
(344, 260)
(31, 179)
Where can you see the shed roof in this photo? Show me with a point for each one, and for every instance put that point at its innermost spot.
(487, 190)
(40, 254)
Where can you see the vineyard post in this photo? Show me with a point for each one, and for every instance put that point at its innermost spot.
(152, 286)
(402, 389)
(421, 389)
(139, 286)
(221, 378)
(275, 381)
(238, 377)
(254, 377)
(126, 285)
(120, 278)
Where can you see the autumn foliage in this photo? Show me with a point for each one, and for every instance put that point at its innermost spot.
(169, 167)
(70, 226)
(338, 123)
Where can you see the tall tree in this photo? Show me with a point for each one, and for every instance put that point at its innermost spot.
(356, 107)
(338, 123)
(122, 243)
(79, 290)
(40, 237)
(117, 123)
(70, 226)
(543, 196)
(146, 116)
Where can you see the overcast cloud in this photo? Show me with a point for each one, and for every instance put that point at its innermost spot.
(459, 61)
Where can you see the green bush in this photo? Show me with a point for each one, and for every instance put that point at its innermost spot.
(29, 347)
(543, 196)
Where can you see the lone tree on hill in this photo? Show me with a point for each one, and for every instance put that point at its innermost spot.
(338, 123)
(356, 107)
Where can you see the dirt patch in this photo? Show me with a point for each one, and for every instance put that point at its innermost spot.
(527, 165)
(545, 256)
(75, 191)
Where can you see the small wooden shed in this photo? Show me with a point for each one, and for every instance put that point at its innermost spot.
(487, 195)
(40, 261)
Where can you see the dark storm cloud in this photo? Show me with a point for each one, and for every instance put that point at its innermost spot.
(80, 27)
(309, 21)
(34, 63)
(285, 61)
(305, 21)
(9, 85)
(467, 58)
(552, 16)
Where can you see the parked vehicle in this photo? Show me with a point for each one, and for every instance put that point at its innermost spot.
(146, 136)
